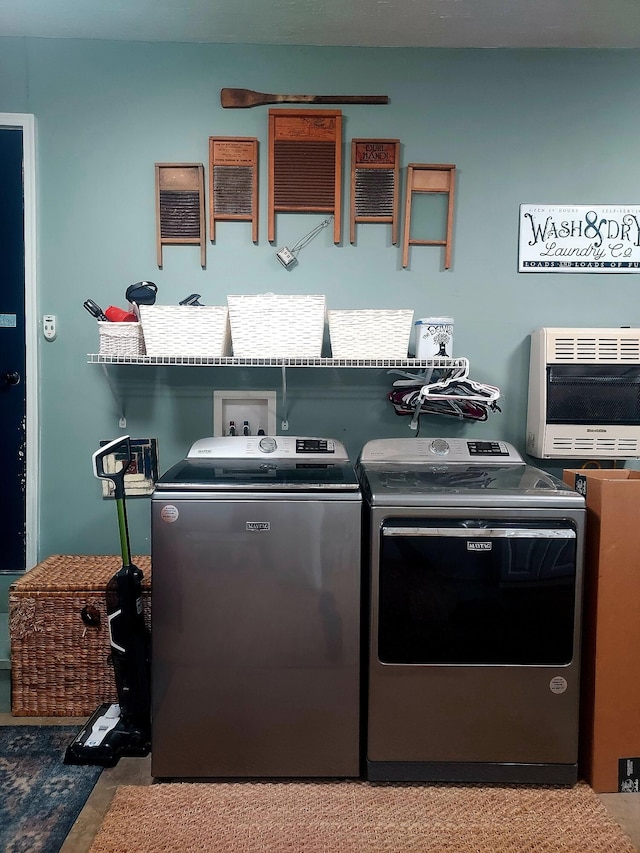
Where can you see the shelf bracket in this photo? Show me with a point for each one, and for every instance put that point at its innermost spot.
(122, 421)
(285, 416)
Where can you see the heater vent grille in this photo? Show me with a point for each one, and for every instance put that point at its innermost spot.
(604, 448)
(596, 348)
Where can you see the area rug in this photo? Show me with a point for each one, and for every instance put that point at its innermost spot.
(356, 817)
(40, 797)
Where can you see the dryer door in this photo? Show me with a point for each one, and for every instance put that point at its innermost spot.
(470, 591)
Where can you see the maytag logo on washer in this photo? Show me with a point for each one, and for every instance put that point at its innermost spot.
(258, 525)
(479, 546)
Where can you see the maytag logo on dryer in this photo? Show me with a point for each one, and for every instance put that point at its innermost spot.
(479, 546)
(258, 525)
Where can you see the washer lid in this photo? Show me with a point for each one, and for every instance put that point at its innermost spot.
(258, 463)
(258, 475)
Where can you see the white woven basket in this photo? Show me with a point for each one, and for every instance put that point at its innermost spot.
(120, 339)
(370, 333)
(186, 330)
(273, 326)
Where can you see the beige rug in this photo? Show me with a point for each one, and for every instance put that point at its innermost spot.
(354, 817)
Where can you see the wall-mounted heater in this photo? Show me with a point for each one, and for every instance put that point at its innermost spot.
(584, 394)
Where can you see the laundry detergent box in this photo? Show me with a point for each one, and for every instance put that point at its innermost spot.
(610, 696)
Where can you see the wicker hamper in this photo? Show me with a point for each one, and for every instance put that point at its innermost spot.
(271, 325)
(60, 667)
(186, 331)
(370, 333)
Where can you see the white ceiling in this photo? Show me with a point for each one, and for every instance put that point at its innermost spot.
(393, 23)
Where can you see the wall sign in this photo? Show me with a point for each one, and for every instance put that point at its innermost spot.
(579, 238)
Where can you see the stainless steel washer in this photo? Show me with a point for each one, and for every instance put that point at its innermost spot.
(256, 550)
(474, 632)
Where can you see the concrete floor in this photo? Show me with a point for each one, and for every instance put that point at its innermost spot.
(624, 808)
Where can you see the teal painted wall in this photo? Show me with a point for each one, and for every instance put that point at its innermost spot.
(521, 126)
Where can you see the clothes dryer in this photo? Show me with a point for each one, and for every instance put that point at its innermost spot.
(475, 577)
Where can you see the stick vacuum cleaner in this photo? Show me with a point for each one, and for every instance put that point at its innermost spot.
(122, 729)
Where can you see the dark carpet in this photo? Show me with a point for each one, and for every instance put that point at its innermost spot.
(40, 796)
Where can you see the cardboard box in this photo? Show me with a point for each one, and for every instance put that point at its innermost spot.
(610, 696)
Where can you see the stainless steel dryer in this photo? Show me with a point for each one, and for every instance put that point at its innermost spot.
(256, 549)
(475, 588)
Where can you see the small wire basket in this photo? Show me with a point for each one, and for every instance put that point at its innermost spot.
(121, 339)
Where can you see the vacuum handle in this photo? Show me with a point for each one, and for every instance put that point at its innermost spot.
(117, 477)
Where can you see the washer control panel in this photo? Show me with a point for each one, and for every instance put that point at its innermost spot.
(417, 450)
(315, 446)
(488, 448)
(274, 446)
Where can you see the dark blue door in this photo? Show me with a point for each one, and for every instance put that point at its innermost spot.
(13, 459)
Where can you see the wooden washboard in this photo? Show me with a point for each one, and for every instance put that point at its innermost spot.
(180, 207)
(305, 164)
(233, 181)
(375, 179)
(429, 178)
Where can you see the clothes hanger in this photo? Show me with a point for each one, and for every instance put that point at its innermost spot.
(455, 388)
(460, 367)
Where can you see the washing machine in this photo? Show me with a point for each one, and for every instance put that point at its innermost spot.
(475, 576)
(256, 555)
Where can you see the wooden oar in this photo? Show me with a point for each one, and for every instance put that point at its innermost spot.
(242, 98)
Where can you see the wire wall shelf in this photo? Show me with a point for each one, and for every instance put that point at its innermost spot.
(230, 361)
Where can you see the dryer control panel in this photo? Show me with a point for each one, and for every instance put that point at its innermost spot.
(417, 450)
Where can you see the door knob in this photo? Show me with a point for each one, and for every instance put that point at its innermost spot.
(12, 378)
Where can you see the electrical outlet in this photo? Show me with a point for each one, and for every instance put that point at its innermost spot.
(49, 327)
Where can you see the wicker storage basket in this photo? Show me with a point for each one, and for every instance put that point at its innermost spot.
(186, 330)
(274, 326)
(120, 339)
(370, 333)
(59, 666)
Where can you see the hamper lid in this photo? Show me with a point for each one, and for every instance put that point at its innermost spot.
(64, 573)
